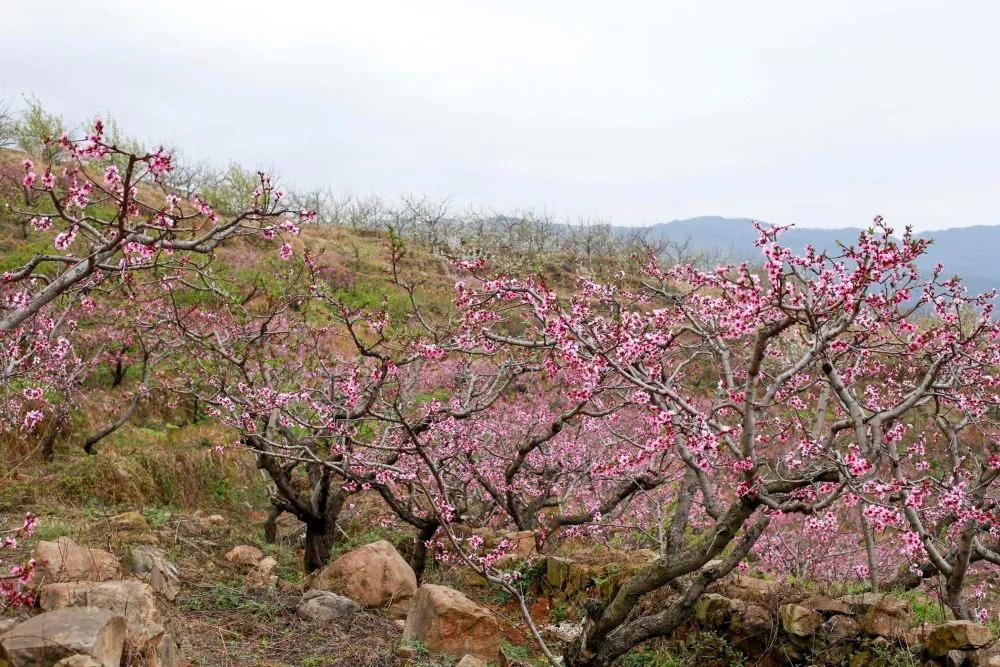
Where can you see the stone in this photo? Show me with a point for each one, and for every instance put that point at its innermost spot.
(799, 621)
(132, 600)
(954, 658)
(825, 605)
(261, 575)
(752, 622)
(715, 611)
(47, 638)
(753, 584)
(862, 603)
(886, 618)
(152, 566)
(79, 660)
(129, 522)
(444, 621)
(244, 555)
(374, 576)
(216, 519)
(324, 606)
(65, 560)
(470, 661)
(840, 627)
(957, 635)
(988, 657)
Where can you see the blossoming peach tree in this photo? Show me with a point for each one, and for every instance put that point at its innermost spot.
(97, 217)
(833, 392)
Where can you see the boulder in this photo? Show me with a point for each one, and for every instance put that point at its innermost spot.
(49, 637)
(324, 606)
(244, 555)
(79, 660)
(470, 661)
(445, 621)
(839, 628)
(65, 560)
(151, 566)
(887, 618)
(715, 611)
(132, 600)
(799, 621)
(826, 606)
(957, 635)
(862, 603)
(374, 576)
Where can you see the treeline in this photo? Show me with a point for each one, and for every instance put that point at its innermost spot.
(513, 240)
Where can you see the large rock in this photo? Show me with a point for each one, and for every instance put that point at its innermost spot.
(151, 566)
(957, 636)
(799, 621)
(49, 637)
(324, 606)
(445, 621)
(244, 555)
(133, 600)
(825, 605)
(65, 560)
(716, 611)
(862, 603)
(888, 617)
(374, 576)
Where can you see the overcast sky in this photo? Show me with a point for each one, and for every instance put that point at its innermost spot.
(819, 114)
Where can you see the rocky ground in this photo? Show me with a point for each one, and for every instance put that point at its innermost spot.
(182, 593)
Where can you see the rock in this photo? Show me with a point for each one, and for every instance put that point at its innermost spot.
(957, 635)
(79, 660)
(862, 603)
(244, 555)
(164, 653)
(825, 605)
(715, 611)
(887, 618)
(65, 560)
(752, 622)
(840, 627)
(445, 621)
(989, 657)
(324, 606)
(152, 567)
(261, 574)
(374, 576)
(799, 621)
(755, 585)
(216, 519)
(129, 522)
(132, 600)
(49, 637)
(954, 659)
(470, 661)
(6, 624)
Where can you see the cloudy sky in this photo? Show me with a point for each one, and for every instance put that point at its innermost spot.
(819, 114)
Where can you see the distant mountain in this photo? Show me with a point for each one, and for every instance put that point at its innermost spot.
(970, 252)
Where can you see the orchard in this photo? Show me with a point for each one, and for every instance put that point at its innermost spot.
(817, 414)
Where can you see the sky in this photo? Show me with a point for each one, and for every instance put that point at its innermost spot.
(817, 114)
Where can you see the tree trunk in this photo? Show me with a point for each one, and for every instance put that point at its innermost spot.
(319, 539)
(418, 560)
(271, 526)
